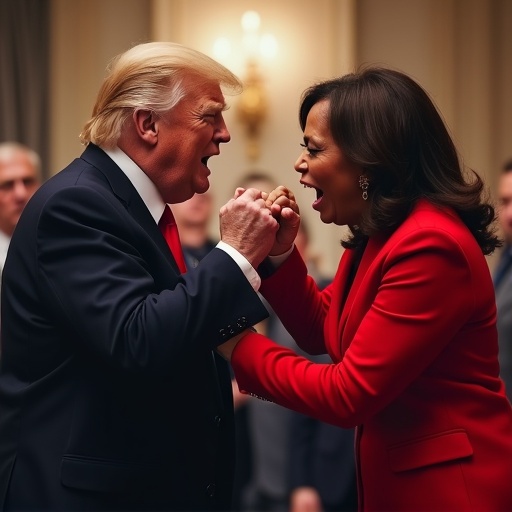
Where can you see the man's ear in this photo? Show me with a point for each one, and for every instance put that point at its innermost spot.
(146, 126)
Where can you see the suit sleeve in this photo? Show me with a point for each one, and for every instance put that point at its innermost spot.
(411, 320)
(117, 296)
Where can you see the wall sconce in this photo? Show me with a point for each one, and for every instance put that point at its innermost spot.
(252, 105)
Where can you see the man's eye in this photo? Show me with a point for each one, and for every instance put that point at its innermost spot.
(209, 118)
(311, 151)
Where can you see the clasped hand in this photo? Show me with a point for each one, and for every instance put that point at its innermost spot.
(258, 224)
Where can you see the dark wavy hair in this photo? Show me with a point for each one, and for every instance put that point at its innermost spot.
(386, 123)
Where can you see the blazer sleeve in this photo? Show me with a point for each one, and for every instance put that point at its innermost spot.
(410, 321)
(291, 285)
(115, 292)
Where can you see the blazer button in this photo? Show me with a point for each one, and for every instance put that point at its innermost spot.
(217, 421)
(210, 490)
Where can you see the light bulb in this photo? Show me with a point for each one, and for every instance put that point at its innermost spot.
(222, 48)
(268, 46)
(250, 21)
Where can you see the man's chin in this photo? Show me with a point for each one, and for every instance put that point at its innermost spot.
(203, 188)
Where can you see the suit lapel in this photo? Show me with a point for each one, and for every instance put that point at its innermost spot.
(128, 195)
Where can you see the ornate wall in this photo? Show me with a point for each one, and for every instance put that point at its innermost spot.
(459, 50)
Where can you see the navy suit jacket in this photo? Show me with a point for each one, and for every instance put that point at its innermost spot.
(110, 395)
(503, 289)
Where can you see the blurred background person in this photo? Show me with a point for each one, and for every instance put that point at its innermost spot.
(503, 278)
(321, 465)
(298, 463)
(20, 176)
(193, 219)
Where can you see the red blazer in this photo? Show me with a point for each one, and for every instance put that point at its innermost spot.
(414, 346)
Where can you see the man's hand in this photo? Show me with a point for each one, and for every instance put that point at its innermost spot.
(248, 225)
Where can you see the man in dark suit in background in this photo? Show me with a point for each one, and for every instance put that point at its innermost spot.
(20, 175)
(193, 218)
(503, 278)
(299, 464)
(111, 395)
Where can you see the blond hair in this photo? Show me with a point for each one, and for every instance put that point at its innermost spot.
(148, 76)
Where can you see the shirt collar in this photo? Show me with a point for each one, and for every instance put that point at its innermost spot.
(4, 245)
(140, 180)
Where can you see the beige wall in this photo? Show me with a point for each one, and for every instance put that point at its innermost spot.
(458, 49)
(86, 34)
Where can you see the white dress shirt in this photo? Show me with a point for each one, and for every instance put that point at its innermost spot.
(4, 245)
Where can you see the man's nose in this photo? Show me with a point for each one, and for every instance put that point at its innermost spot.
(222, 133)
(21, 190)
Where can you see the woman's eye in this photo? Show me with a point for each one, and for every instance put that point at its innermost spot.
(311, 151)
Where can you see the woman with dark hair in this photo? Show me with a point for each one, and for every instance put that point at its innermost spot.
(410, 318)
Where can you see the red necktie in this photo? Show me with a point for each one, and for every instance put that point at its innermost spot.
(168, 227)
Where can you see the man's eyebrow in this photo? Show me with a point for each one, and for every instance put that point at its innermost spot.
(213, 105)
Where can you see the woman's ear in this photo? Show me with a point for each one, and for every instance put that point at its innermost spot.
(146, 126)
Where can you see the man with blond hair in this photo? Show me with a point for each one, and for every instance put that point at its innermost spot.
(112, 396)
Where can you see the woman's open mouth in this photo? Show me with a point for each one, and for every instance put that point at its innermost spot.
(319, 195)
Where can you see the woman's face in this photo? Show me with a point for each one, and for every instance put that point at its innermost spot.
(325, 168)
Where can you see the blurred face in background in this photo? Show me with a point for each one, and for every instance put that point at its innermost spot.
(505, 205)
(19, 179)
(195, 211)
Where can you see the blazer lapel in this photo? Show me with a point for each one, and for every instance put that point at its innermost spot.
(348, 313)
(338, 295)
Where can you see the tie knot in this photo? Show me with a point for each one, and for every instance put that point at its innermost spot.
(167, 218)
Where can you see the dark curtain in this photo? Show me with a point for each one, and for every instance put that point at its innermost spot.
(24, 74)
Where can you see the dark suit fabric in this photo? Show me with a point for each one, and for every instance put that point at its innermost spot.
(322, 456)
(293, 450)
(415, 348)
(109, 394)
(503, 288)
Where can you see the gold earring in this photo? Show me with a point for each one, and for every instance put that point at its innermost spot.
(364, 183)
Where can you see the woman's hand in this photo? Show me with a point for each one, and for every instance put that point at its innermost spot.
(281, 202)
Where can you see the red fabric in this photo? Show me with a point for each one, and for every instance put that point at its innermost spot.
(169, 229)
(414, 349)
